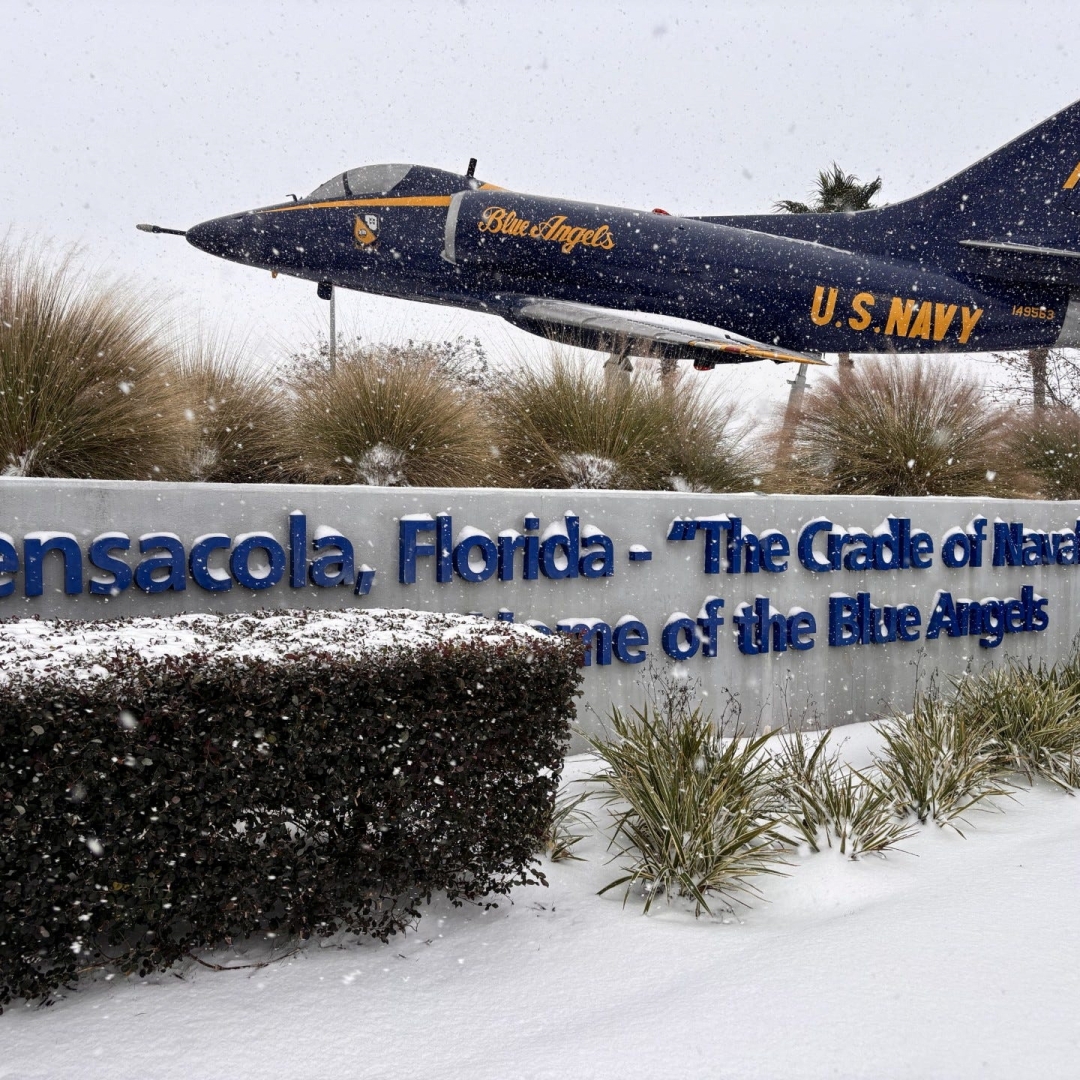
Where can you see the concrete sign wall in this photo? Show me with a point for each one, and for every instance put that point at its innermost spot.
(797, 605)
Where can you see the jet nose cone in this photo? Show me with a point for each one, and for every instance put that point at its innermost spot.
(227, 237)
(213, 237)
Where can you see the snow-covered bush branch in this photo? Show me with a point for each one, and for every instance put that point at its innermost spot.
(167, 785)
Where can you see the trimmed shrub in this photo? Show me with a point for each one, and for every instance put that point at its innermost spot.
(162, 804)
(565, 425)
(895, 427)
(392, 417)
(237, 419)
(1045, 444)
(84, 377)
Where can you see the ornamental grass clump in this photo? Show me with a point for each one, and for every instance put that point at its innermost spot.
(562, 425)
(707, 450)
(938, 764)
(1045, 444)
(828, 803)
(1032, 716)
(392, 418)
(694, 814)
(895, 427)
(566, 425)
(85, 379)
(237, 419)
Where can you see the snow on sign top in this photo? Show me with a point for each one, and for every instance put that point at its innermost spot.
(60, 647)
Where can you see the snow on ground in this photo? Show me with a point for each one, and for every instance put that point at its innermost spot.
(56, 646)
(957, 958)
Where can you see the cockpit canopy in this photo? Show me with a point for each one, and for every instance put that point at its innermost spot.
(377, 180)
(367, 180)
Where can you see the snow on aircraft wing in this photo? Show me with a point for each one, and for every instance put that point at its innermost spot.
(642, 334)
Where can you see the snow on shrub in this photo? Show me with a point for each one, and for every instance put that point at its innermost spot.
(173, 784)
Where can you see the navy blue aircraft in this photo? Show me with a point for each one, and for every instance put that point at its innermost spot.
(990, 259)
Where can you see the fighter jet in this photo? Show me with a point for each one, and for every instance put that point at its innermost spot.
(987, 260)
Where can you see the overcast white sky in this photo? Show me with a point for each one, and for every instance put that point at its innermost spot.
(114, 113)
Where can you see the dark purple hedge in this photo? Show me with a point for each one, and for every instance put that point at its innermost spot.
(185, 803)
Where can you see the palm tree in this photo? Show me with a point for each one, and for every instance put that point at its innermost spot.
(837, 192)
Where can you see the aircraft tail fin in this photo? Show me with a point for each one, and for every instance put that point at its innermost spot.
(1014, 215)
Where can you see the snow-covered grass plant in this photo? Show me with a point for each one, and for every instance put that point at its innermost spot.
(895, 427)
(1031, 714)
(392, 418)
(827, 803)
(237, 418)
(85, 387)
(563, 833)
(938, 764)
(563, 424)
(1046, 446)
(694, 813)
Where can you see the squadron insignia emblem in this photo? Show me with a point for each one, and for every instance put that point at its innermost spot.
(365, 230)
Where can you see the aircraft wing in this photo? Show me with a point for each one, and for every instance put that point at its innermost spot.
(642, 334)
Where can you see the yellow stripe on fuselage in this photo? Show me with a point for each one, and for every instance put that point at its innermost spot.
(386, 201)
(405, 200)
(1074, 176)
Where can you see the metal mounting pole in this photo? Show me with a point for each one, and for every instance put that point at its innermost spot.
(792, 413)
(618, 361)
(333, 333)
(798, 388)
